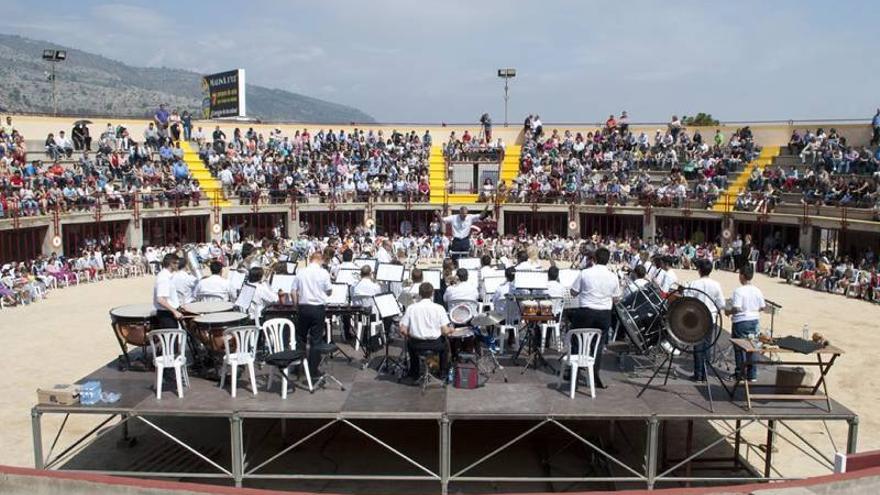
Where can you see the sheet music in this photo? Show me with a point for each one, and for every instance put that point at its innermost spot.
(339, 295)
(246, 296)
(348, 276)
(432, 277)
(236, 279)
(283, 282)
(389, 272)
(291, 268)
(386, 305)
(366, 261)
(469, 263)
(531, 280)
(491, 284)
(568, 277)
(473, 278)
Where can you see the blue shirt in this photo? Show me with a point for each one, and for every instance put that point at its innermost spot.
(876, 120)
(180, 170)
(165, 152)
(162, 116)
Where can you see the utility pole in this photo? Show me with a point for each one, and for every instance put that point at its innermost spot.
(53, 57)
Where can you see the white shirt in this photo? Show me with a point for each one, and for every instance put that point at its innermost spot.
(713, 293)
(383, 256)
(424, 320)
(365, 289)
(461, 292)
(164, 287)
(461, 229)
(263, 296)
(184, 284)
(504, 307)
(665, 279)
(596, 288)
(214, 286)
(312, 285)
(748, 301)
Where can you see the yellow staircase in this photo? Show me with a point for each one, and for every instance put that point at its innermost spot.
(437, 180)
(727, 198)
(211, 187)
(510, 165)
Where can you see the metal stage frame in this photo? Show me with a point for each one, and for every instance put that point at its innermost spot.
(529, 405)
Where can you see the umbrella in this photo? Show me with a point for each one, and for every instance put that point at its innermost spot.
(82, 122)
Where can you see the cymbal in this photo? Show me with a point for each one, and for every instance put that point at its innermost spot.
(486, 319)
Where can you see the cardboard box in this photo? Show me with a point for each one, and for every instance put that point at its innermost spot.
(61, 395)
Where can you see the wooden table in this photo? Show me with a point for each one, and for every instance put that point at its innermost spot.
(823, 365)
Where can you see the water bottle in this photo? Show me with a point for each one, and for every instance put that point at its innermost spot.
(806, 331)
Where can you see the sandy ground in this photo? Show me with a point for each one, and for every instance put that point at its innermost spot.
(68, 335)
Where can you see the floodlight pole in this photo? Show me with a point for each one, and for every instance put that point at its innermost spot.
(506, 98)
(54, 92)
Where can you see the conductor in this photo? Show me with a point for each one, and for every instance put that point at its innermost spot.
(461, 229)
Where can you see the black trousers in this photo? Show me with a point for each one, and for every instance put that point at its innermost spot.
(165, 319)
(310, 326)
(592, 318)
(415, 346)
(459, 246)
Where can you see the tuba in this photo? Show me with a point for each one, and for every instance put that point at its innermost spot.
(192, 262)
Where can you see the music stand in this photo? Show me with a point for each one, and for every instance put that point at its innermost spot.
(371, 262)
(389, 272)
(348, 276)
(245, 297)
(772, 308)
(387, 307)
(469, 263)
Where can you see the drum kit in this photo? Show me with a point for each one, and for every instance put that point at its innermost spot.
(471, 340)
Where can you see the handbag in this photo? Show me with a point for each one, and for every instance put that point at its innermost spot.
(466, 376)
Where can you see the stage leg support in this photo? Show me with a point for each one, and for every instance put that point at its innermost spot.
(652, 445)
(235, 434)
(37, 427)
(768, 453)
(445, 453)
(852, 435)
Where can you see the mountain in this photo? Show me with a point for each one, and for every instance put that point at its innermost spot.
(94, 85)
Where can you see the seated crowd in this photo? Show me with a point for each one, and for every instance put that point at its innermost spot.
(612, 164)
(831, 173)
(330, 166)
(468, 149)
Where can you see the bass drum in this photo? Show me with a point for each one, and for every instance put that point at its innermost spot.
(642, 314)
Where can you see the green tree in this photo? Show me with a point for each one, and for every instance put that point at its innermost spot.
(701, 119)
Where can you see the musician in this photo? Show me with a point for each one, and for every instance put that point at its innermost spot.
(461, 291)
(365, 288)
(214, 286)
(312, 288)
(165, 298)
(596, 289)
(745, 307)
(503, 302)
(263, 295)
(184, 282)
(410, 294)
(424, 324)
(712, 295)
(347, 257)
(461, 228)
(665, 277)
(383, 254)
(639, 277)
(527, 260)
(554, 290)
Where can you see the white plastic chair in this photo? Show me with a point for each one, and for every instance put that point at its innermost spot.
(244, 355)
(587, 344)
(273, 335)
(171, 343)
(554, 327)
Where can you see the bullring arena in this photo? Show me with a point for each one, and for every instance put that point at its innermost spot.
(812, 243)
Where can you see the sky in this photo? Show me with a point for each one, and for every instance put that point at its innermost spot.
(431, 61)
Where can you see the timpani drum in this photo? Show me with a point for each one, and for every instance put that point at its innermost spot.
(206, 307)
(545, 308)
(131, 323)
(208, 328)
(530, 308)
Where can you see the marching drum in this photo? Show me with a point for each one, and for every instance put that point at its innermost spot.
(208, 328)
(131, 323)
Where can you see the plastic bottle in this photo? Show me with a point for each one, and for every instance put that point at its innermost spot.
(806, 331)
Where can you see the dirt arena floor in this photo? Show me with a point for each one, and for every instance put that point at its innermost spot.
(68, 335)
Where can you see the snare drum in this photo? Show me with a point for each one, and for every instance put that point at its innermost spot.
(208, 328)
(206, 307)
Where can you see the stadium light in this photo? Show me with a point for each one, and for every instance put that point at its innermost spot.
(53, 57)
(507, 75)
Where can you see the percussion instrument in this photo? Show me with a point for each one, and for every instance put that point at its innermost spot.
(545, 308)
(641, 316)
(205, 307)
(462, 340)
(461, 314)
(530, 308)
(208, 328)
(690, 322)
(131, 323)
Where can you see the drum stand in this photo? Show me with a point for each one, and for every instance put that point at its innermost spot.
(391, 365)
(667, 363)
(531, 341)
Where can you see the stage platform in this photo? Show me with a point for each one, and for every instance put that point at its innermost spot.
(472, 429)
